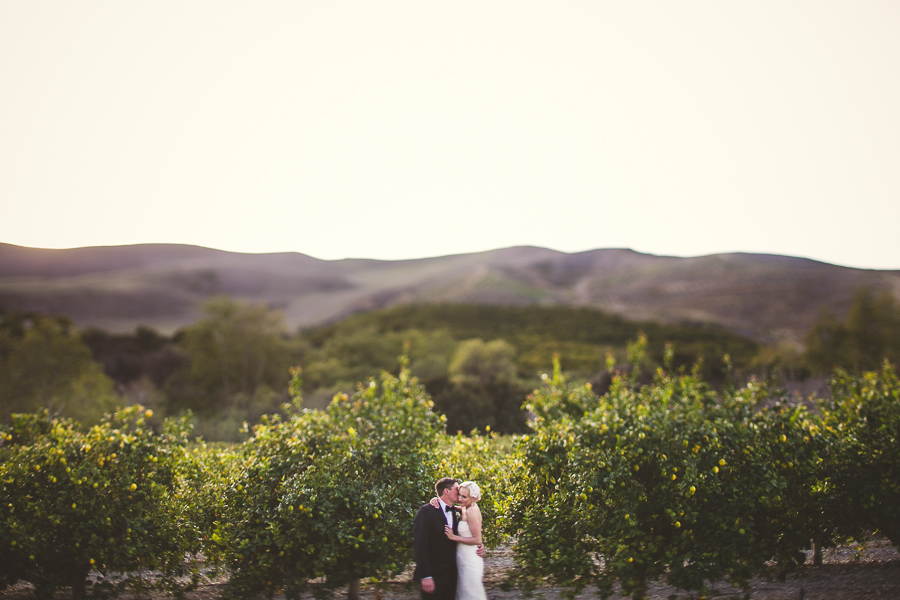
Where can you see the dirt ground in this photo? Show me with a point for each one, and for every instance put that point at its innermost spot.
(859, 572)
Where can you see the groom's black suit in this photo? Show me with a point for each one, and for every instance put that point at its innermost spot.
(435, 553)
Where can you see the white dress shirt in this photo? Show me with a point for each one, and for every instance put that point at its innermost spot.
(448, 514)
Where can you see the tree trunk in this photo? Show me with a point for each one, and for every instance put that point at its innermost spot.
(79, 586)
(817, 554)
(640, 590)
(353, 590)
(42, 591)
(260, 371)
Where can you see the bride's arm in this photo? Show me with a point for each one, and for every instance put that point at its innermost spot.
(473, 518)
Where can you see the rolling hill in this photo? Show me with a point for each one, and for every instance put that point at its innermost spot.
(116, 288)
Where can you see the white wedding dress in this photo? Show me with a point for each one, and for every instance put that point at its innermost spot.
(470, 567)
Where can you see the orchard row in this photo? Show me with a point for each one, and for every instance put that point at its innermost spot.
(668, 479)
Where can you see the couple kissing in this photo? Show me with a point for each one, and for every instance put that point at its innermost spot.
(447, 542)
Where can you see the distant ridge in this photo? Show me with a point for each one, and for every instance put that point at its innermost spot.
(162, 285)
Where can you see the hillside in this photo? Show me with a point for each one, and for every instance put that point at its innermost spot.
(162, 285)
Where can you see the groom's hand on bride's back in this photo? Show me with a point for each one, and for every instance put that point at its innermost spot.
(480, 550)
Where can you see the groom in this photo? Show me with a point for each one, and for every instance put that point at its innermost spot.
(435, 552)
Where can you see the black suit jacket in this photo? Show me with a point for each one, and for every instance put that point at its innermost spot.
(435, 553)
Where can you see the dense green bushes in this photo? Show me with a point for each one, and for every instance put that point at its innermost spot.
(330, 493)
(668, 479)
(659, 477)
(674, 480)
(108, 501)
(861, 483)
(487, 460)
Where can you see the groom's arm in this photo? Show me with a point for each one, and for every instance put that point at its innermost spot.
(420, 546)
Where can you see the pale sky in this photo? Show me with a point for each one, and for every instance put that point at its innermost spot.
(411, 129)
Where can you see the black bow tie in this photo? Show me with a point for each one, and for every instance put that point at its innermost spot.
(448, 508)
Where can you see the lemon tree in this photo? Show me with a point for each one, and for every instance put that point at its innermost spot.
(208, 472)
(862, 478)
(330, 494)
(106, 500)
(664, 480)
(487, 460)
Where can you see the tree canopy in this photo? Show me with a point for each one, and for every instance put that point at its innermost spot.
(44, 363)
(870, 334)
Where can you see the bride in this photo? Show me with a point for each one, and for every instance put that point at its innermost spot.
(469, 565)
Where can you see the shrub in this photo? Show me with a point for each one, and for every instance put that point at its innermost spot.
(330, 494)
(486, 460)
(862, 479)
(105, 501)
(665, 480)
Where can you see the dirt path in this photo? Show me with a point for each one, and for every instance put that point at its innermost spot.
(868, 572)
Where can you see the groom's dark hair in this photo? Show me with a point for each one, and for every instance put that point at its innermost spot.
(444, 484)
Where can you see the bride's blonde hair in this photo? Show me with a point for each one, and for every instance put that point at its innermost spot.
(473, 489)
